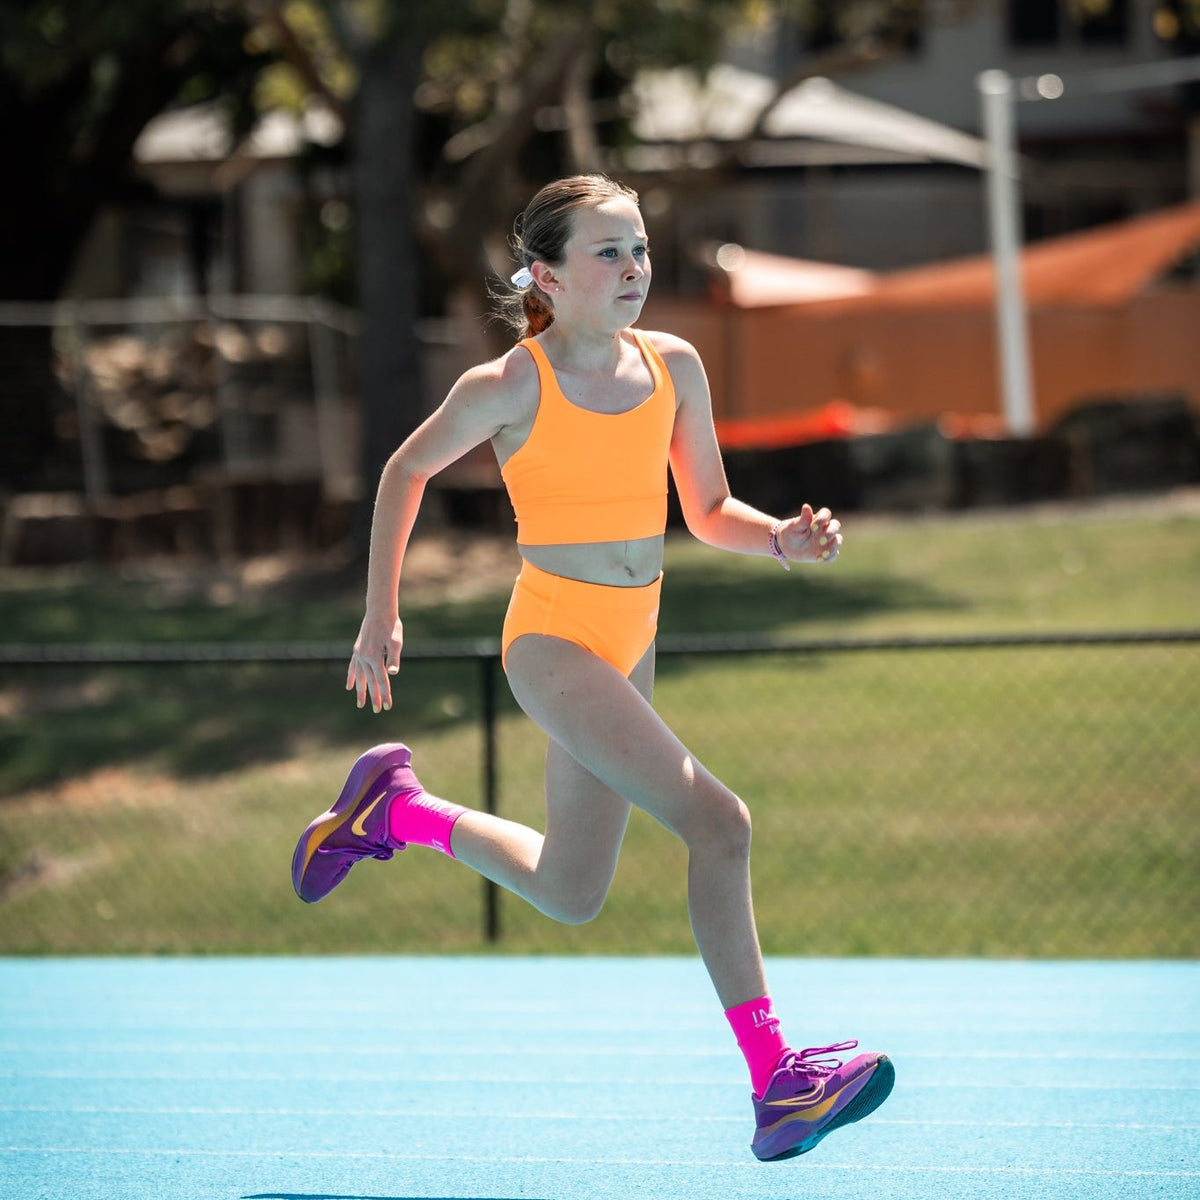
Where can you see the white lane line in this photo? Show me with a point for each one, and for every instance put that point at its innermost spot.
(589, 1081)
(533, 1160)
(424, 1113)
(541, 1050)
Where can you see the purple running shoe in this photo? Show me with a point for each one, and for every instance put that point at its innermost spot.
(357, 824)
(810, 1096)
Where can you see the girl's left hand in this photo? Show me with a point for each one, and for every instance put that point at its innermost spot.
(811, 536)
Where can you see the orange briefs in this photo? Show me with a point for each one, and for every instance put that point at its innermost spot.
(617, 624)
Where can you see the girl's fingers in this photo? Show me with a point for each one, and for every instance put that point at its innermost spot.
(831, 547)
(370, 681)
(372, 663)
(366, 685)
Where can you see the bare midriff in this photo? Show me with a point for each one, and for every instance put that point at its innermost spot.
(617, 564)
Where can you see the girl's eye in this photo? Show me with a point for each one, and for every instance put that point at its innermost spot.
(612, 252)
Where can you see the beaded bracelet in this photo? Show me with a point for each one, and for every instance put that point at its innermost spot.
(773, 545)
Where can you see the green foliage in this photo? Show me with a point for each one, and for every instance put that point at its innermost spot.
(1178, 21)
(78, 84)
(91, 52)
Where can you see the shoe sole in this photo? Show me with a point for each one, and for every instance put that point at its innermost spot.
(873, 1094)
(362, 775)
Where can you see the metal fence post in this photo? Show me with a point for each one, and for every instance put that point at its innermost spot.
(91, 442)
(491, 892)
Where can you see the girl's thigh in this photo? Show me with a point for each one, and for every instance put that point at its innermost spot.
(606, 724)
(585, 818)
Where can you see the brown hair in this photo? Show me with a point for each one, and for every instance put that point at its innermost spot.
(540, 234)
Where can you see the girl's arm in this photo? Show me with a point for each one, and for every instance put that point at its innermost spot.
(711, 513)
(482, 402)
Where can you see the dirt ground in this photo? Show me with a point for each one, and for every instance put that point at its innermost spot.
(459, 564)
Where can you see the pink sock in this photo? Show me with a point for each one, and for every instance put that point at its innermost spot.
(759, 1038)
(423, 820)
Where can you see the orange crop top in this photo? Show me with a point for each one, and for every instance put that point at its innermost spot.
(583, 476)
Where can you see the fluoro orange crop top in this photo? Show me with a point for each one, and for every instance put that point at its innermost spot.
(584, 476)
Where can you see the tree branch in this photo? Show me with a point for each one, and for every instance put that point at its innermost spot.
(534, 81)
(296, 53)
(582, 143)
(345, 29)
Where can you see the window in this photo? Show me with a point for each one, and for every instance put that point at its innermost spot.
(830, 23)
(1103, 24)
(1033, 22)
(1036, 23)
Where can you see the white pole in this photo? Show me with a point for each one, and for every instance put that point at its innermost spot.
(1004, 219)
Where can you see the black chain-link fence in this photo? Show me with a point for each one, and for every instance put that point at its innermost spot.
(914, 797)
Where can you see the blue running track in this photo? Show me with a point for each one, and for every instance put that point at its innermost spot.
(583, 1079)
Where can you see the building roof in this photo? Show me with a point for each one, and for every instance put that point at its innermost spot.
(751, 279)
(679, 106)
(200, 133)
(1107, 265)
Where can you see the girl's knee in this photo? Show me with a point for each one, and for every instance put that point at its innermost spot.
(573, 893)
(576, 907)
(741, 827)
(724, 823)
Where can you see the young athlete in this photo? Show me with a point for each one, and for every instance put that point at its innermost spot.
(584, 414)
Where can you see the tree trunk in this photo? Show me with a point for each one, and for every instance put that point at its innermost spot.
(39, 233)
(390, 377)
(70, 144)
(28, 398)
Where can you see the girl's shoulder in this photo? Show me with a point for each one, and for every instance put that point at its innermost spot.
(508, 384)
(681, 357)
(669, 343)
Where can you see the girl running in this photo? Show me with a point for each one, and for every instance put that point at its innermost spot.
(584, 414)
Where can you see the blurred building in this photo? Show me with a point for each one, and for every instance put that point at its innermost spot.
(860, 198)
(837, 277)
(219, 216)
(877, 168)
(849, 185)
(1111, 317)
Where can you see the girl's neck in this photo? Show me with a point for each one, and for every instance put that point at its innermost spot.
(583, 350)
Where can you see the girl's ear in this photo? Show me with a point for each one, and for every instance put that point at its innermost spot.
(544, 277)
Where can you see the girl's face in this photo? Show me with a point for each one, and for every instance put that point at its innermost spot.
(605, 273)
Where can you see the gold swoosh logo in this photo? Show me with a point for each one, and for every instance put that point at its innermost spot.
(813, 1098)
(357, 827)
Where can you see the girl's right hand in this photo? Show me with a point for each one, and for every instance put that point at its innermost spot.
(376, 657)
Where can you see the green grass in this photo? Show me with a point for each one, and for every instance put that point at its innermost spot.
(1025, 801)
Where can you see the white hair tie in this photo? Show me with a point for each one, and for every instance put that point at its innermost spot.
(522, 279)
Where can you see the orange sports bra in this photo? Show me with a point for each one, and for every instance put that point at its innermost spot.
(583, 476)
